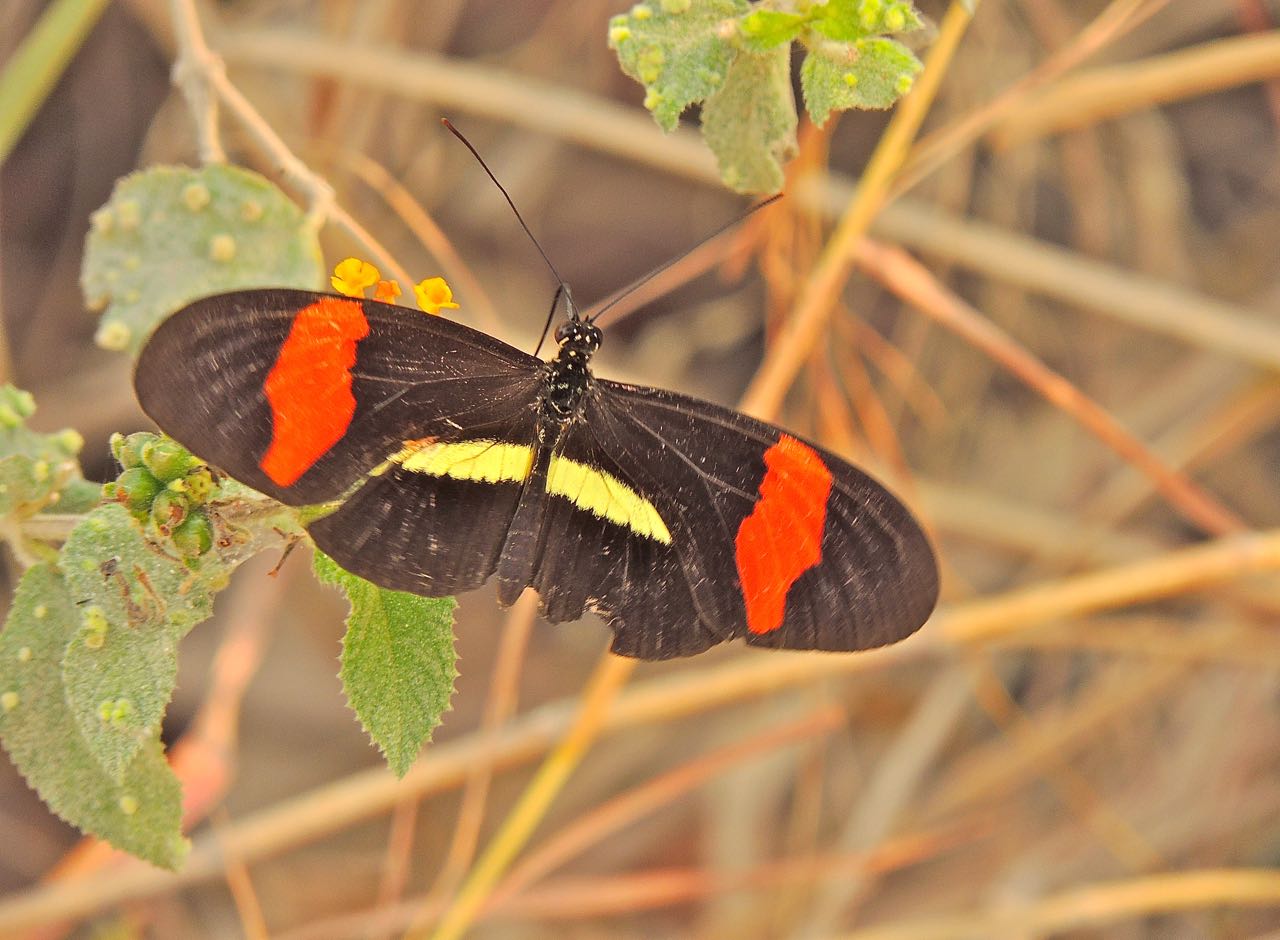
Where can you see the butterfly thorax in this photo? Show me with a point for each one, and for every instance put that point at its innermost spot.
(568, 374)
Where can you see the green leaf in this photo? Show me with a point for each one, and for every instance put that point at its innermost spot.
(764, 29)
(169, 235)
(680, 50)
(750, 124)
(849, 20)
(79, 497)
(869, 73)
(35, 468)
(140, 811)
(102, 631)
(135, 603)
(398, 662)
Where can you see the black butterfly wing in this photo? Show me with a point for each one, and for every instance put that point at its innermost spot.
(636, 582)
(772, 538)
(428, 534)
(366, 379)
(352, 380)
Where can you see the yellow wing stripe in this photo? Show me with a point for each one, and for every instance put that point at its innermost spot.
(484, 461)
(606, 496)
(490, 461)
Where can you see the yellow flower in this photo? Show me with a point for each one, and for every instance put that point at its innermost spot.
(433, 294)
(353, 277)
(387, 291)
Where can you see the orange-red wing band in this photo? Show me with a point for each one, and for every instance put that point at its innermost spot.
(782, 538)
(309, 387)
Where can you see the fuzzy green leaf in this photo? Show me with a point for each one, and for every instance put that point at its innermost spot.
(849, 20)
(764, 29)
(680, 50)
(79, 497)
(398, 662)
(750, 124)
(35, 468)
(135, 603)
(139, 811)
(869, 73)
(169, 235)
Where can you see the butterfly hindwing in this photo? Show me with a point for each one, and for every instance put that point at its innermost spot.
(300, 394)
(435, 524)
(587, 562)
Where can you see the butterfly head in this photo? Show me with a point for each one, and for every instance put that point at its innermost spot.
(578, 335)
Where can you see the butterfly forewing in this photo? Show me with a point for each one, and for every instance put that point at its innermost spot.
(249, 382)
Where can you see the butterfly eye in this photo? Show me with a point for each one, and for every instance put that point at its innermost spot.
(564, 331)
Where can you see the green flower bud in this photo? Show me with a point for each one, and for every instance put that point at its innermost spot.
(199, 486)
(168, 511)
(137, 489)
(194, 536)
(128, 450)
(167, 459)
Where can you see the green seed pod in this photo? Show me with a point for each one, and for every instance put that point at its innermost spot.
(137, 489)
(168, 511)
(128, 450)
(194, 536)
(167, 459)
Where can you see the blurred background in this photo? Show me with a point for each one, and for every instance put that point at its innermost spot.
(1098, 180)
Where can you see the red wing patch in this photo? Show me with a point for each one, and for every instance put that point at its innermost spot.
(309, 387)
(782, 538)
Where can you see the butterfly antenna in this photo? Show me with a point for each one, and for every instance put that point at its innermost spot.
(562, 289)
(546, 327)
(645, 279)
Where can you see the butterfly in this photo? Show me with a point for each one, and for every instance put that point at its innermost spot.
(443, 457)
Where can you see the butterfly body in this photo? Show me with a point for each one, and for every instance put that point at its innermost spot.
(454, 458)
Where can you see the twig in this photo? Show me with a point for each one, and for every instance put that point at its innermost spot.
(203, 80)
(611, 674)
(428, 233)
(1113, 831)
(253, 925)
(31, 72)
(1106, 93)
(499, 708)
(933, 151)
(908, 279)
(193, 67)
(805, 327)
(885, 797)
(627, 808)
(578, 898)
(1125, 296)
(1256, 18)
(1096, 905)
